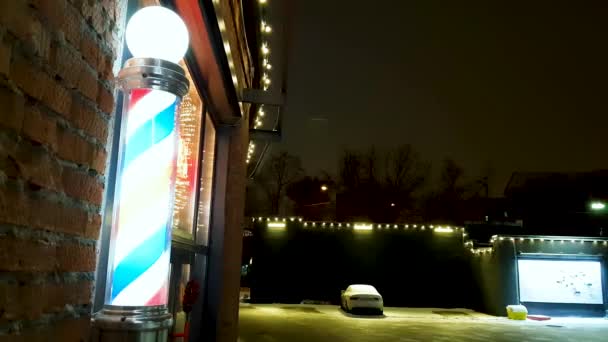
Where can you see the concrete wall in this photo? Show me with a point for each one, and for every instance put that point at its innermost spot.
(409, 267)
(56, 103)
(497, 279)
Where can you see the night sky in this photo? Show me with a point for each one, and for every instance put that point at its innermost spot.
(520, 86)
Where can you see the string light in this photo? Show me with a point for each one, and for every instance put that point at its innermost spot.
(468, 244)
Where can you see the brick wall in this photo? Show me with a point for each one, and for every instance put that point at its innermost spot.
(56, 102)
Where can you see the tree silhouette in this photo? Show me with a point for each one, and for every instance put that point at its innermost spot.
(378, 185)
(281, 170)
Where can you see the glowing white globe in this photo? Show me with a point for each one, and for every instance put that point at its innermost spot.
(157, 32)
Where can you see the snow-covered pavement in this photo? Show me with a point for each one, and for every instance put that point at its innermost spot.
(295, 323)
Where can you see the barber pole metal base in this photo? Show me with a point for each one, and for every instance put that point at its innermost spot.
(141, 324)
(138, 269)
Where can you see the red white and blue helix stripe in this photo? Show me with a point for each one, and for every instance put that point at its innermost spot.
(142, 223)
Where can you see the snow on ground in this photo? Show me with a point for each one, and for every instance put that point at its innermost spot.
(295, 323)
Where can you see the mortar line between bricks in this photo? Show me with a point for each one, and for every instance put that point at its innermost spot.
(100, 178)
(65, 123)
(36, 278)
(73, 311)
(65, 163)
(42, 66)
(27, 233)
(53, 196)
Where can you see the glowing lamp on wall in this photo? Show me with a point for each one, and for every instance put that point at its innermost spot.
(139, 258)
(276, 225)
(363, 226)
(444, 230)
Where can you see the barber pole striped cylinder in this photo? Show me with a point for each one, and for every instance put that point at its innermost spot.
(144, 195)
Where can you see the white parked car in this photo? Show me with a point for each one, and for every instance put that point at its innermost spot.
(361, 297)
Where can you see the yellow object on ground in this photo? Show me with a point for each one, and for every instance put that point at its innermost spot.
(517, 312)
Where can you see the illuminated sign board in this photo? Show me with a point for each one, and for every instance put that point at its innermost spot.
(560, 281)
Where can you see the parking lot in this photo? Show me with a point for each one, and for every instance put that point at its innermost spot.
(294, 323)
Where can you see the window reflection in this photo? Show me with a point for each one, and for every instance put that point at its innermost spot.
(204, 204)
(190, 120)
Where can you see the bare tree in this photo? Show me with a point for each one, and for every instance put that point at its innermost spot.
(281, 170)
(443, 204)
(350, 170)
(377, 185)
(404, 171)
(451, 180)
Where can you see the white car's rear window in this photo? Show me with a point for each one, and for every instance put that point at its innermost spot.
(363, 289)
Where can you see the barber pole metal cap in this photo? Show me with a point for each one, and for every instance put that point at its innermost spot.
(154, 73)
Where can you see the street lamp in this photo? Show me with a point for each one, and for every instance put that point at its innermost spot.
(323, 187)
(135, 305)
(597, 205)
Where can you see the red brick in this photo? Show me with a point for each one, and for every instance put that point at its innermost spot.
(86, 118)
(76, 258)
(99, 163)
(9, 167)
(17, 17)
(87, 83)
(72, 25)
(41, 256)
(31, 301)
(93, 227)
(66, 63)
(5, 58)
(25, 255)
(17, 208)
(87, 8)
(99, 19)
(11, 105)
(57, 98)
(72, 330)
(40, 86)
(74, 148)
(105, 65)
(68, 330)
(32, 80)
(89, 48)
(80, 185)
(40, 127)
(37, 167)
(52, 11)
(105, 100)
